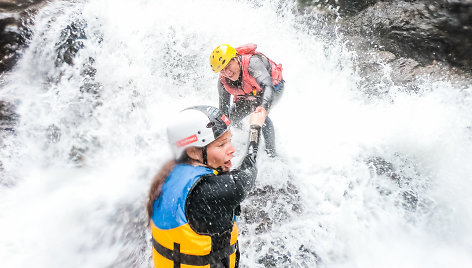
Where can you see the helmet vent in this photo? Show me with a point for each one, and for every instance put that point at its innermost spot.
(210, 125)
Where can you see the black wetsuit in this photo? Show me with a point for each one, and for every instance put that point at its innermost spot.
(214, 201)
(260, 69)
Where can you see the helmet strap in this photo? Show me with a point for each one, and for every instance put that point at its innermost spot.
(205, 159)
(204, 155)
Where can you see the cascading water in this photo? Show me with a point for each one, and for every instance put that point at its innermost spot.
(360, 181)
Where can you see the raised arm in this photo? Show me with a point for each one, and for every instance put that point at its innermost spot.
(211, 204)
(246, 174)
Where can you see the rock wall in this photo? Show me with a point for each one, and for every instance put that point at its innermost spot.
(415, 38)
(424, 30)
(15, 17)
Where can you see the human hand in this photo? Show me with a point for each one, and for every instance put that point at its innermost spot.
(258, 116)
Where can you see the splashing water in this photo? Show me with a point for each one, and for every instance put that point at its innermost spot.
(360, 182)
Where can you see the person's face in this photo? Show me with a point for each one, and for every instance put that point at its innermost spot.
(232, 70)
(220, 152)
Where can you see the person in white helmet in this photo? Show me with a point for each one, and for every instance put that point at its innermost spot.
(194, 199)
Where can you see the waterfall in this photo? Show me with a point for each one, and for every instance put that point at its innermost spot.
(361, 181)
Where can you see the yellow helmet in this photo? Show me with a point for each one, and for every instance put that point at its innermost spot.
(221, 56)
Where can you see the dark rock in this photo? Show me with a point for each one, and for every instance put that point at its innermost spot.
(343, 7)
(399, 44)
(9, 5)
(407, 194)
(382, 70)
(284, 201)
(274, 253)
(11, 40)
(70, 42)
(130, 234)
(15, 20)
(422, 30)
(8, 117)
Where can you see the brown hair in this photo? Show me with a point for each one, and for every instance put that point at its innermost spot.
(159, 180)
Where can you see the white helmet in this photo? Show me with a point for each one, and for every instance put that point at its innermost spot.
(196, 126)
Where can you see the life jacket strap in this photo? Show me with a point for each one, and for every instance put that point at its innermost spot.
(181, 258)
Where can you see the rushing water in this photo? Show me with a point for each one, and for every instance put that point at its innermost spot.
(360, 181)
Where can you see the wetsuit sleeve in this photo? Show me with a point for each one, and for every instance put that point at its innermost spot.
(224, 98)
(245, 175)
(260, 69)
(211, 203)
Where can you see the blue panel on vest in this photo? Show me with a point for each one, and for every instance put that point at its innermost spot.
(169, 208)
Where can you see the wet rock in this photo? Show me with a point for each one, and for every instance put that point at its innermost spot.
(343, 7)
(15, 20)
(11, 40)
(407, 194)
(380, 166)
(399, 43)
(422, 30)
(53, 133)
(269, 204)
(281, 251)
(8, 119)
(7, 116)
(382, 70)
(70, 42)
(131, 234)
(8, 5)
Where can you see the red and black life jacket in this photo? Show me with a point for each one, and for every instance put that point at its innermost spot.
(249, 85)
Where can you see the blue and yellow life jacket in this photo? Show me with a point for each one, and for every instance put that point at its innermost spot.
(175, 244)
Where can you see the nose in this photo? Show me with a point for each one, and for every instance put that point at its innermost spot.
(231, 149)
(225, 71)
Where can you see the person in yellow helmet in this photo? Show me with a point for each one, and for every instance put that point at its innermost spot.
(195, 197)
(252, 79)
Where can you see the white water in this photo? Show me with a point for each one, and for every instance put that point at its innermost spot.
(77, 168)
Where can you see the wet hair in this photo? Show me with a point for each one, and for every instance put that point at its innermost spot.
(160, 179)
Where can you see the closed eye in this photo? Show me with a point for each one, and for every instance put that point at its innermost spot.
(223, 143)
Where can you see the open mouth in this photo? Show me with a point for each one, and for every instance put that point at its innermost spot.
(228, 164)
